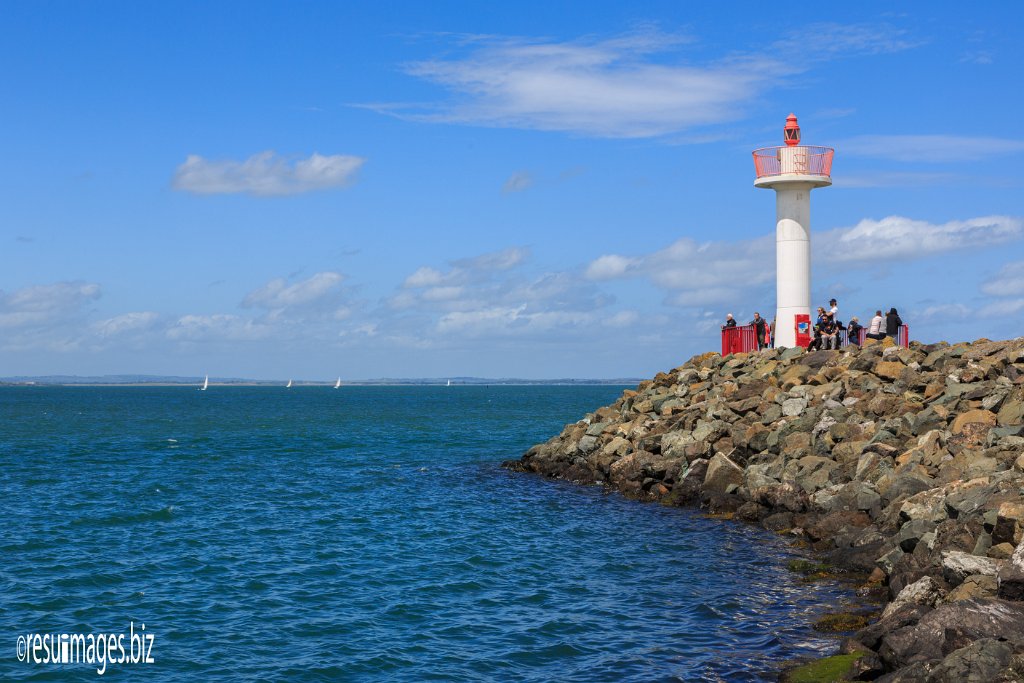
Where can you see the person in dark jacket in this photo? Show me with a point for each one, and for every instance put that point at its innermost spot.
(729, 321)
(853, 331)
(893, 323)
(760, 330)
(830, 333)
(818, 340)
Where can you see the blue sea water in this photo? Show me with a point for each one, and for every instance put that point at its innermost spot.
(365, 534)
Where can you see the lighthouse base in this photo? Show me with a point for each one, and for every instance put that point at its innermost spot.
(785, 325)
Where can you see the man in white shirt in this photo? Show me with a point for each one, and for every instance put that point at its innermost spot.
(876, 330)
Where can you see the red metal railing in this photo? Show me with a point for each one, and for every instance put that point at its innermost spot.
(741, 339)
(902, 336)
(771, 161)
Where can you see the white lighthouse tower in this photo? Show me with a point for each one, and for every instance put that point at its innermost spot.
(792, 171)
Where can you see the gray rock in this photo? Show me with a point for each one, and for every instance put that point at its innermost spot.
(924, 591)
(688, 488)
(791, 353)
(766, 474)
(888, 561)
(911, 532)
(793, 406)
(966, 502)
(950, 627)
(957, 566)
(983, 545)
(827, 499)
(1011, 576)
(868, 498)
(721, 473)
(784, 496)
(924, 505)
(979, 662)
(904, 486)
(673, 444)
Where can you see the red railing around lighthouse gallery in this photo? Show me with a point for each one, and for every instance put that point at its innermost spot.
(743, 338)
(806, 160)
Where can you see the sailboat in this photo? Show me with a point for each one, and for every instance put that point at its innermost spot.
(337, 385)
(289, 386)
(449, 382)
(206, 383)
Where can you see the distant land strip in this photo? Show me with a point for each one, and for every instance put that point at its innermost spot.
(158, 380)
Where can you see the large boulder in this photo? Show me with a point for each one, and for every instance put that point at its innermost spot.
(983, 661)
(957, 566)
(950, 627)
(924, 591)
(722, 473)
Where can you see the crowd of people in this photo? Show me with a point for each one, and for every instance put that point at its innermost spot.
(828, 328)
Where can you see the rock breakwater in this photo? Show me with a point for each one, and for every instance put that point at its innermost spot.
(904, 464)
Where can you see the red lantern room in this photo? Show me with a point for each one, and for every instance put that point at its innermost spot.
(791, 133)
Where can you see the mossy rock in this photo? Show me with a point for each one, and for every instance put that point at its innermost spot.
(835, 668)
(841, 622)
(808, 567)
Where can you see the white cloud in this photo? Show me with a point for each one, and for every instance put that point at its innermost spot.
(424, 277)
(491, 295)
(126, 322)
(266, 174)
(898, 237)
(696, 274)
(217, 327)
(442, 293)
(1009, 281)
(497, 260)
(609, 88)
(999, 309)
(517, 182)
(929, 148)
(482, 319)
(983, 57)
(621, 319)
(43, 305)
(511, 321)
(943, 312)
(629, 86)
(610, 266)
(308, 310)
(827, 40)
(278, 294)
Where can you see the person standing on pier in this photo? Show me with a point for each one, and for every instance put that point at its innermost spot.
(760, 330)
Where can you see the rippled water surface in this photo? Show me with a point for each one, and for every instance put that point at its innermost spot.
(366, 533)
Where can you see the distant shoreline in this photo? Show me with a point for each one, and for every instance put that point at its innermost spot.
(306, 385)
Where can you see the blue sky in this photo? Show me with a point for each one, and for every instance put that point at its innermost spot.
(535, 190)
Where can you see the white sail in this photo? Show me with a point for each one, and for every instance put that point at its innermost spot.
(289, 385)
(449, 382)
(337, 385)
(206, 383)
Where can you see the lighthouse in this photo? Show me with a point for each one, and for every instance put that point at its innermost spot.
(793, 171)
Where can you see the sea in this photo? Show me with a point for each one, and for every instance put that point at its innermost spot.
(366, 533)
